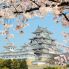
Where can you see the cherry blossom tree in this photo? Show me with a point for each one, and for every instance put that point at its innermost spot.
(30, 8)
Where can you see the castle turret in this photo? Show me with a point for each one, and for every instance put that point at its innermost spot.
(42, 43)
(10, 47)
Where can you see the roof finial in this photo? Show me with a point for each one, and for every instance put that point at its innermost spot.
(38, 26)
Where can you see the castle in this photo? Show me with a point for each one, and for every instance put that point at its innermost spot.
(40, 49)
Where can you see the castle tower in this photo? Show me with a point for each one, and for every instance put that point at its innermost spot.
(42, 44)
(10, 47)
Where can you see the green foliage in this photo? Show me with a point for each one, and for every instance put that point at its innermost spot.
(67, 65)
(7, 63)
(55, 67)
(5, 67)
(23, 64)
(50, 68)
(13, 64)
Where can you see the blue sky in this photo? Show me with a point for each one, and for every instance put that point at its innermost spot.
(47, 21)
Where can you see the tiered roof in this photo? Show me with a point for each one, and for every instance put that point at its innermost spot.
(42, 42)
(40, 30)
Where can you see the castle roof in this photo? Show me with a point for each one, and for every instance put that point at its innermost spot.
(40, 30)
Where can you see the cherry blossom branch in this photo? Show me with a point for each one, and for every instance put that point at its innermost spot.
(64, 4)
(35, 3)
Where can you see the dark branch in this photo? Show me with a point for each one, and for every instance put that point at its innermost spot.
(18, 12)
(53, 1)
(32, 9)
(0, 16)
(64, 4)
(65, 16)
(35, 3)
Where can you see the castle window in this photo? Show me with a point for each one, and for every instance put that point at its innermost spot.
(19, 56)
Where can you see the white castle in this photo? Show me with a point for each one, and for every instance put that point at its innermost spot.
(40, 48)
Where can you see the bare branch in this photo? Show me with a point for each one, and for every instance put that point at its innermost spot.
(65, 16)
